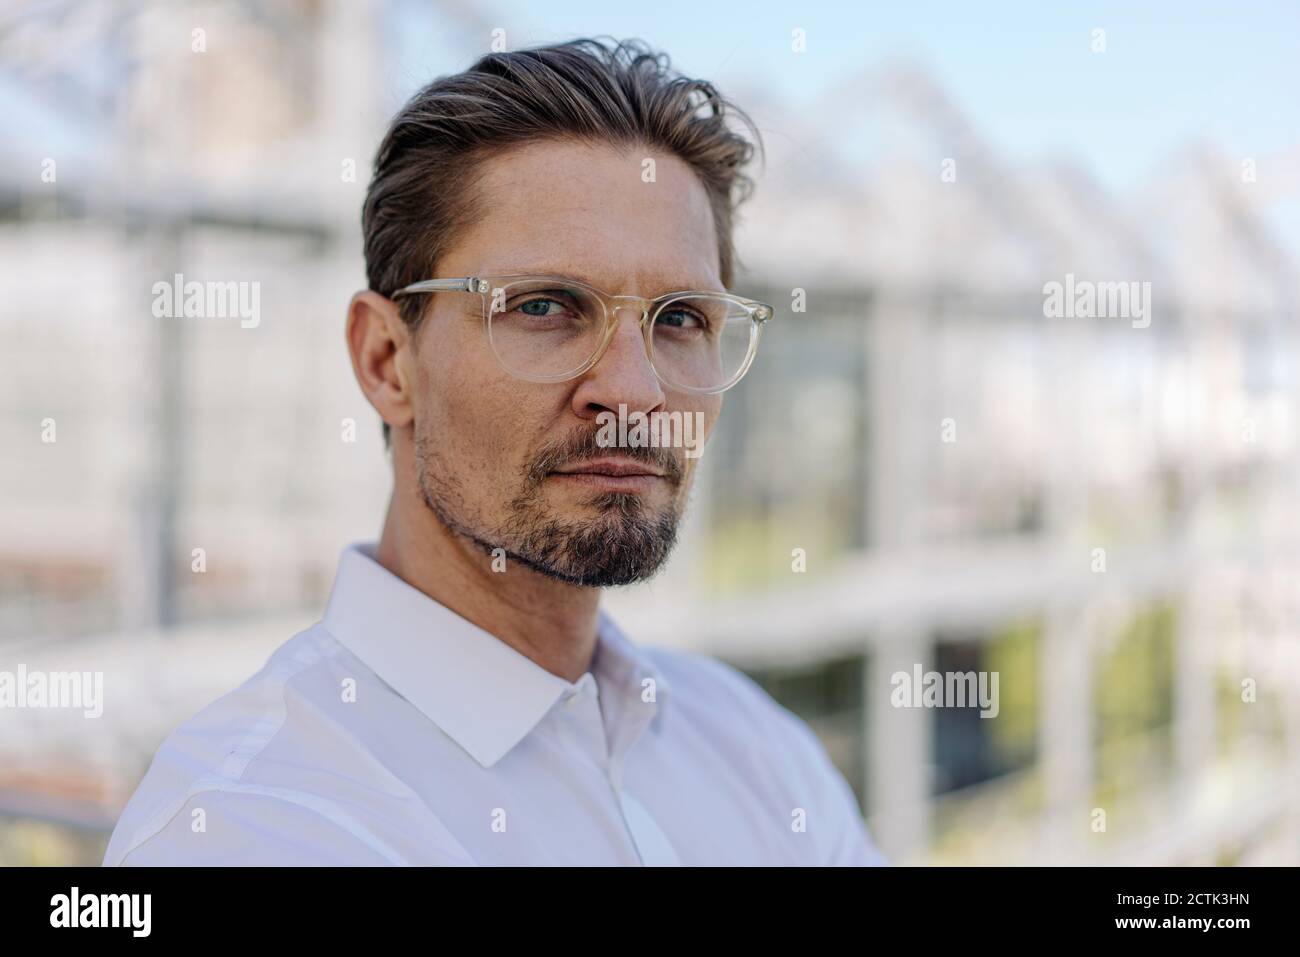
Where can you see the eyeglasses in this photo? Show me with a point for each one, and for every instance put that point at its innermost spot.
(546, 329)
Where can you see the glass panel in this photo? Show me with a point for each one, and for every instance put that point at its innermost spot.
(702, 342)
(544, 328)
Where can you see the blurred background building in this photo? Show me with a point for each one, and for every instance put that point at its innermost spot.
(1100, 513)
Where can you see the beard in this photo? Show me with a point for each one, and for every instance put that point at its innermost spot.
(626, 541)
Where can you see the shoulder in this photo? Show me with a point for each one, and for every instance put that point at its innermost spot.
(221, 824)
(222, 738)
(720, 701)
(760, 739)
(210, 771)
(707, 687)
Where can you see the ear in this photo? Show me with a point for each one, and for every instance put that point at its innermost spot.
(379, 343)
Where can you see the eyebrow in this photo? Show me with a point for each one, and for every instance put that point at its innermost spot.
(544, 270)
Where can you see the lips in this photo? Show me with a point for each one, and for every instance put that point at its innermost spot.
(611, 474)
(616, 467)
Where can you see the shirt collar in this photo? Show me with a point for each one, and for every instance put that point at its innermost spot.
(481, 692)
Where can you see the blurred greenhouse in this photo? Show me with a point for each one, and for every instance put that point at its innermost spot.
(1100, 513)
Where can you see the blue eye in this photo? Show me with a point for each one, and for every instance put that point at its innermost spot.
(679, 318)
(538, 307)
(547, 304)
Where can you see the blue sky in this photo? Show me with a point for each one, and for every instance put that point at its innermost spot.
(1174, 72)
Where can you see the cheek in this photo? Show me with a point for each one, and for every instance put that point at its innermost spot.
(489, 422)
(458, 394)
(710, 407)
(706, 411)
(479, 414)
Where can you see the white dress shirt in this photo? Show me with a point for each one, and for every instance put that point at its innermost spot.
(396, 732)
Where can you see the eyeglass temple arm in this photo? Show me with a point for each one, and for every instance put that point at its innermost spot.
(468, 284)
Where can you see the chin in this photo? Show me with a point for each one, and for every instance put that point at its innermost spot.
(638, 504)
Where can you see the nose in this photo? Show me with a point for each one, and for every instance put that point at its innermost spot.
(623, 375)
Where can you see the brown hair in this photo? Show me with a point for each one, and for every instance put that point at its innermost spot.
(619, 93)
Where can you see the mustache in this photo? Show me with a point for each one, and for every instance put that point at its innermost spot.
(585, 445)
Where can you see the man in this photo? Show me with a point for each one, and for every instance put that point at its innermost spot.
(548, 247)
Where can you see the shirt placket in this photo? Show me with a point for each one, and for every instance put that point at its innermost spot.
(629, 720)
(584, 725)
(582, 722)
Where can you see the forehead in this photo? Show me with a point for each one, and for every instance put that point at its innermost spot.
(594, 212)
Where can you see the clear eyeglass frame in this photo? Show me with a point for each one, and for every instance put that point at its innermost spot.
(759, 313)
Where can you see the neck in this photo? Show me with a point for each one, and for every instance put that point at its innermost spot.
(552, 623)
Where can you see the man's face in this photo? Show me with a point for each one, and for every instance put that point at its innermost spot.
(517, 465)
